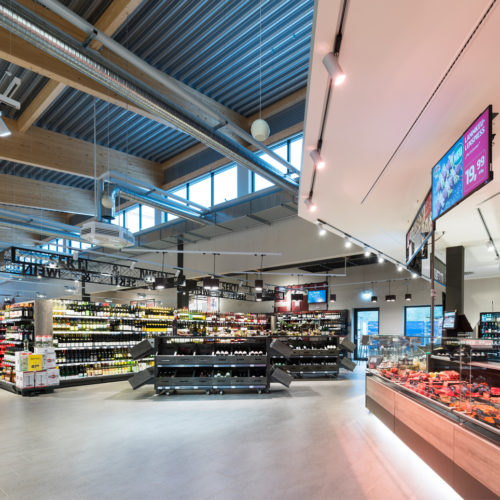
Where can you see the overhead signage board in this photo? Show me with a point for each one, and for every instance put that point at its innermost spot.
(420, 229)
(465, 168)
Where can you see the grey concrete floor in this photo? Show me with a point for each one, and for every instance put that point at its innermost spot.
(314, 441)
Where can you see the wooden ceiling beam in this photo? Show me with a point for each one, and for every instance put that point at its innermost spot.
(108, 23)
(54, 151)
(17, 191)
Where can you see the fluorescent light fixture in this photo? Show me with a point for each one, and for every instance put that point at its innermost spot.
(317, 159)
(310, 204)
(4, 130)
(367, 252)
(408, 296)
(381, 259)
(347, 242)
(259, 284)
(321, 229)
(331, 63)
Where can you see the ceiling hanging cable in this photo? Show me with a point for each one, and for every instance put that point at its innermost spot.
(335, 77)
(260, 128)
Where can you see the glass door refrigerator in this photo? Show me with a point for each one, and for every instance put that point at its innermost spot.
(489, 325)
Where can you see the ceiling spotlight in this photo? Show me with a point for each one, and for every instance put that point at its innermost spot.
(149, 278)
(160, 283)
(381, 259)
(52, 264)
(210, 283)
(40, 295)
(215, 283)
(490, 246)
(408, 296)
(374, 298)
(400, 268)
(258, 297)
(77, 281)
(317, 159)
(390, 298)
(39, 277)
(4, 130)
(259, 285)
(333, 297)
(414, 275)
(347, 242)
(310, 204)
(367, 252)
(70, 288)
(331, 63)
(141, 295)
(321, 229)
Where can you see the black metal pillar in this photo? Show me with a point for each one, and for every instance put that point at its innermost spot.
(455, 279)
(183, 294)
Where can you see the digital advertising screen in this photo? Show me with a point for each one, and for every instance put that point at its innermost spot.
(449, 320)
(420, 229)
(316, 296)
(464, 168)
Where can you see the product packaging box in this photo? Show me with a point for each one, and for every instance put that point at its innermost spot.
(25, 380)
(41, 379)
(35, 363)
(22, 361)
(49, 357)
(52, 377)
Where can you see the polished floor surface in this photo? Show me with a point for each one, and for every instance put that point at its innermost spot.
(314, 441)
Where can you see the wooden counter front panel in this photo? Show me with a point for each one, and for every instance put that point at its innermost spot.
(381, 394)
(478, 457)
(436, 430)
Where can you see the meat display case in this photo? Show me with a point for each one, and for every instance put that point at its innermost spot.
(448, 414)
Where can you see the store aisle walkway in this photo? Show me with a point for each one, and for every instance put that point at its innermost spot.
(315, 441)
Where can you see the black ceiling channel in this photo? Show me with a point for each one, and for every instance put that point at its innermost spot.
(277, 123)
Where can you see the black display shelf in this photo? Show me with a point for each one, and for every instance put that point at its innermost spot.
(11, 387)
(95, 380)
(319, 356)
(197, 364)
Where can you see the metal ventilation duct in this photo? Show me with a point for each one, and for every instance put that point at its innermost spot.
(23, 23)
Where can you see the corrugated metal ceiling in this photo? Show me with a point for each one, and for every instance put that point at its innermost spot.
(42, 174)
(212, 46)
